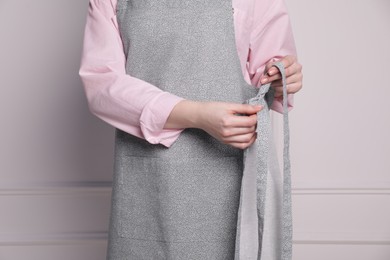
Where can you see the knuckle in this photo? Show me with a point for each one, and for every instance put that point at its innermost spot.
(225, 132)
(293, 89)
(253, 121)
(287, 71)
(248, 123)
(296, 88)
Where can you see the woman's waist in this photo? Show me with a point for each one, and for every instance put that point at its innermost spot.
(192, 143)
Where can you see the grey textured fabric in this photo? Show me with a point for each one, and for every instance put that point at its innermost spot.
(180, 202)
(265, 200)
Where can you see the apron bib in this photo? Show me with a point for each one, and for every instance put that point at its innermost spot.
(180, 202)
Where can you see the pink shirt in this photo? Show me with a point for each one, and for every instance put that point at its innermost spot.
(263, 33)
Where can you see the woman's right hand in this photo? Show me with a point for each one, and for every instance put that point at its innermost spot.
(230, 123)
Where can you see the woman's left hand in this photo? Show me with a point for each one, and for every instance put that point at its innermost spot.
(293, 72)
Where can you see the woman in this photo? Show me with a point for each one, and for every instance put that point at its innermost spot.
(171, 76)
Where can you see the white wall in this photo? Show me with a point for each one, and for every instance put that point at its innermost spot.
(56, 158)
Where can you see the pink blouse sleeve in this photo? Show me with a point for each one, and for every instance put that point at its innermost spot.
(123, 101)
(271, 39)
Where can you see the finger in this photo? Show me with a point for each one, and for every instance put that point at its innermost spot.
(289, 72)
(295, 78)
(277, 83)
(266, 79)
(290, 69)
(245, 109)
(240, 121)
(244, 145)
(295, 69)
(287, 61)
(292, 88)
(294, 83)
(269, 65)
(244, 138)
(234, 131)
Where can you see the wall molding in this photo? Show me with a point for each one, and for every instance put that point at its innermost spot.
(298, 188)
(54, 239)
(57, 189)
(367, 238)
(332, 191)
(325, 187)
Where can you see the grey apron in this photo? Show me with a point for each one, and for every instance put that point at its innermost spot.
(180, 202)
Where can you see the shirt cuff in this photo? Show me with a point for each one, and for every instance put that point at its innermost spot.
(153, 118)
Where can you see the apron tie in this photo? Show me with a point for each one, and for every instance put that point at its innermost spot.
(277, 243)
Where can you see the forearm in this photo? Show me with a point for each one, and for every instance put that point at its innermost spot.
(224, 121)
(185, 114)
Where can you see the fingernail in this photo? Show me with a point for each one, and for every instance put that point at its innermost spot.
(271, 72)
(264, 80)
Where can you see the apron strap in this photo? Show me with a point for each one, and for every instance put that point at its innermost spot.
(287, 205)
(256, 168)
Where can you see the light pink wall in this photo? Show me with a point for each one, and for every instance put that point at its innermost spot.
(340, 129)
(56, 158)
(48, 134)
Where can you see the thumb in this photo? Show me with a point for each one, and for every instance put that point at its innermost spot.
(246, 109)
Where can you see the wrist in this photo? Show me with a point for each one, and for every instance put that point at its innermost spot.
(185, 114)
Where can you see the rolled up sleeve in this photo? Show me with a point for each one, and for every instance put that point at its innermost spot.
(125, 102)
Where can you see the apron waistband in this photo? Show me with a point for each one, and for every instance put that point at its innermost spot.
(262, 149)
